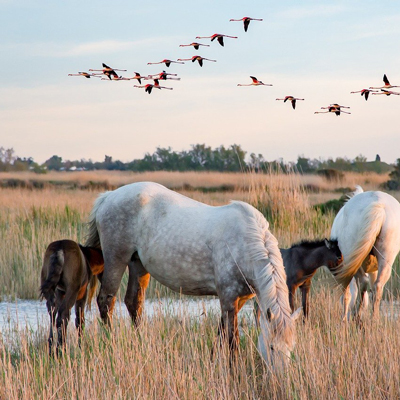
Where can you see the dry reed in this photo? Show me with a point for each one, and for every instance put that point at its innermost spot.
(170, 356)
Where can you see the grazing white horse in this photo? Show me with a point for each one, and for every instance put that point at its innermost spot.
(367, 229)
(193, 249)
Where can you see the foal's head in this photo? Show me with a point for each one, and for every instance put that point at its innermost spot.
(333, 255)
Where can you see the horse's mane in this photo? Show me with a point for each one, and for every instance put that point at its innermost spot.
(93, 238)
(271, 279)
(309, 244)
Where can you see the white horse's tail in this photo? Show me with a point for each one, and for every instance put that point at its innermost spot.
(93, 238)
(362, 246)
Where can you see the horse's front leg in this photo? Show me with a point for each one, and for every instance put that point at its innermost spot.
(80, 315)
(292, 292)
(305, 290)
(114, 268)
(136, 290)
(228, 328)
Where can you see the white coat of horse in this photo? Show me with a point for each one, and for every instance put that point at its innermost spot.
(367, 229)
(193, 249)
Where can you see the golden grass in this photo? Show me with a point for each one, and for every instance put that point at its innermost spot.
(170, 357)
(196, 179)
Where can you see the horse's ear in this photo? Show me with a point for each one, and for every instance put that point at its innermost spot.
(297, 313)
(327, 243)
(270, 315)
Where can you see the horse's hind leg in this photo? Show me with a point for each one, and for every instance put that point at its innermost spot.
(362, 283)
(53, 304)
(80, 315)
(136, 290)
(346, 298)
(384, 270)
(63, 315)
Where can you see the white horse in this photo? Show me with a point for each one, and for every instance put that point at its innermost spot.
(368, 232)
(193, 249)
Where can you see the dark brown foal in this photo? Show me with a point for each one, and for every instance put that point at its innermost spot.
(68, 270)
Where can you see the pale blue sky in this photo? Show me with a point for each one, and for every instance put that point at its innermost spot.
(316, 50)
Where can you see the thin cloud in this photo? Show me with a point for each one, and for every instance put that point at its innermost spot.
(49, 49)
(311, 11)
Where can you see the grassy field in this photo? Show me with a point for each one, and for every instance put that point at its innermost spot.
(171, 356)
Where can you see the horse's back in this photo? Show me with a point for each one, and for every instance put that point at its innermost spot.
(179, 241)
(63, 258)
(367, 220)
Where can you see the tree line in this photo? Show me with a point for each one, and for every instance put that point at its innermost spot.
(198, 158)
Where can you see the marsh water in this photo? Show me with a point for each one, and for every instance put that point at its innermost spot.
(32, 314)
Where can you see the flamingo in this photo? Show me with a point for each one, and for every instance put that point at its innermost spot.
(116, 78)
(166, 62)
(291, 99)
(386, 92)
(246, 21)
(194, 44)
(139, 77)
(157, 85)
(164, 76)
(333, 108)
(217, 36)
(387, 84)
(255, 82)
(199, 59)
(85, 74)
(147, 88)
(364, 92)
(107, 71)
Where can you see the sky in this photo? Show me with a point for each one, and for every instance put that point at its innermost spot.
(316, 50)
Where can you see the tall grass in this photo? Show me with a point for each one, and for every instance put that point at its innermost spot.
(31, 219)
(171, 357)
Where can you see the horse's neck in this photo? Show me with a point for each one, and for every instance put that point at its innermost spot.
(309, 261)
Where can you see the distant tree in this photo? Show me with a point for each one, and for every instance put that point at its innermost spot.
(54, 163)
(303, 165)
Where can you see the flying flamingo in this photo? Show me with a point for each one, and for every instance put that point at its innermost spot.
(163, 76)
(255, 82)
(85, 74)
(139, 77)
(217, 36)
(333, 108)
(166, 62)
(246, 21)
(147, 88)
(291, 99)
(194, 44)
(196, 58)
(386, 92)
(364, 92)
(387, 84)
(157, 85)
(116, 78)
(107, 71)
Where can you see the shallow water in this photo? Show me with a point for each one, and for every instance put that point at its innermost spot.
(32, 314)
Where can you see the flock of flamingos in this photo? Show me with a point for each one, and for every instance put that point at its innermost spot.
(108, 73)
